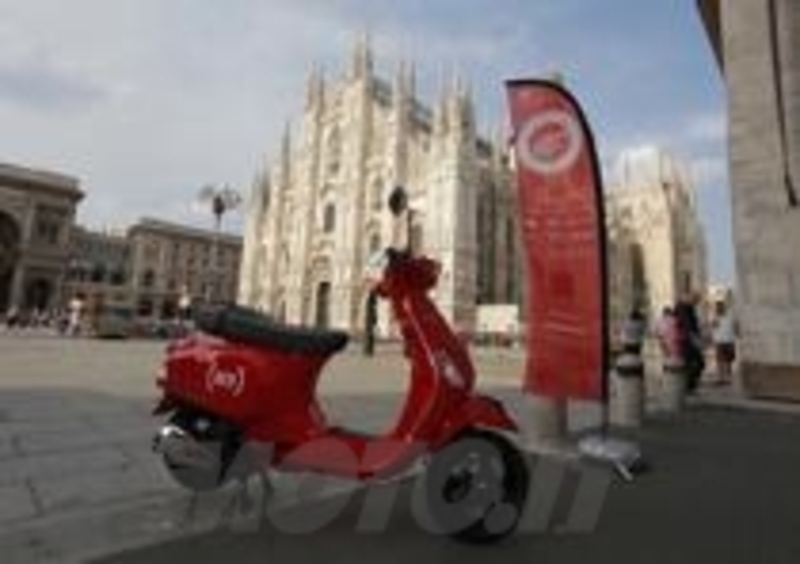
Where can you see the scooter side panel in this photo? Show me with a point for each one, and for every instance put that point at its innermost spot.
(261, 390)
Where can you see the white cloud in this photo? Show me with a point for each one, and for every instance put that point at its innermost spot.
(152, 103)
(711, 127)
(147, 100)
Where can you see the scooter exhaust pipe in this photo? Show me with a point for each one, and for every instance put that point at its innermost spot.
(179, 448)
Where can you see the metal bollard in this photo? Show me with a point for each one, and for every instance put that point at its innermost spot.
(674, 384)
(629, 368)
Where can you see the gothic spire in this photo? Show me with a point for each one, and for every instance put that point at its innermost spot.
(361, 62)
(405, 81)
(458, 86)
(460, 113)
(286, 155)
(264, 191)
(315, 87)
(440, 124)
(500, 139)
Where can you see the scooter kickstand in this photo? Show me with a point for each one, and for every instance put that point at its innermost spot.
(624, 472)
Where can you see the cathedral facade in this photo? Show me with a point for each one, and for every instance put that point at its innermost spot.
(319, 213)
(316, 218)
(656, 242)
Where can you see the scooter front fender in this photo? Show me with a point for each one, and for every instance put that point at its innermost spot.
(483, 412)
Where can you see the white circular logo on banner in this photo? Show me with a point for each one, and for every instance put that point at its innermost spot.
(550, 142)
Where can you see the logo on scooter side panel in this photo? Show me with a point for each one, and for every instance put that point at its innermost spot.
(225, 380)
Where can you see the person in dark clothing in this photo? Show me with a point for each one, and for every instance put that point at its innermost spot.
(370, 322)
(691, 339)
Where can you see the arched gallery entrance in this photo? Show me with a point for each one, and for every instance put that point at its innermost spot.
(9, 256)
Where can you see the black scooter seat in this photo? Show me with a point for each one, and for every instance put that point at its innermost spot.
(246, 325)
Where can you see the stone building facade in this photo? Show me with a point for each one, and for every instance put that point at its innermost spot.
(317, 216)
(758, 49)
(98, 269)
(46, 260)
(656, 241)
(37, 215)
(150, 266)
(169, 261)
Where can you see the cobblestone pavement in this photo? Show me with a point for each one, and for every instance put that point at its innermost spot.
(77, 476)
(76, 471)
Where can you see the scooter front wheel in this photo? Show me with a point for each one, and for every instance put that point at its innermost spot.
(477, 487)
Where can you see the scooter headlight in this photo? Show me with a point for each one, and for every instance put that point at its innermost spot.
(376, 265)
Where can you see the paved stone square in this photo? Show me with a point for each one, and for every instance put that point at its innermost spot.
(76, 429)
(77, 477)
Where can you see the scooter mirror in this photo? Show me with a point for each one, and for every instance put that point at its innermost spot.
(398, 201)
(375, 266)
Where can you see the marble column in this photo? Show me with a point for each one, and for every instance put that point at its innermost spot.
(546, 424)
(17, 287)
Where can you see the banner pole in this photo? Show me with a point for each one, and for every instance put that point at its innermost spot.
(605, 417)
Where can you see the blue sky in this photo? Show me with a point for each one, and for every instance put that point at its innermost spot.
(147, 100)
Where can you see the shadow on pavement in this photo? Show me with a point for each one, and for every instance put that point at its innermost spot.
(724, 488)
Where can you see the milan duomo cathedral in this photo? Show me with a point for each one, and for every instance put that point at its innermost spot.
(318, 214)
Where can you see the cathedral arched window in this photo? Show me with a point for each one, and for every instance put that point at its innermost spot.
(145, 307)
(98, 273)
(334, 151)
(374, 243)
(377, 195)
(329, 218)
(416, 236)
(323, 305)
(283, 267)
(639, 289)
(686, 281)
(118, 276)
(148, 279)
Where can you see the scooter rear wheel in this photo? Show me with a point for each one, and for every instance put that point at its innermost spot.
(477, 487)
(215, 445)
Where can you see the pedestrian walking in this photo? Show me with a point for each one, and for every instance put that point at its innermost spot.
(668, 335)
(724, 336)
(634, 330)
(75, 316)
(12, 317)
(691, 339)
(370, 322)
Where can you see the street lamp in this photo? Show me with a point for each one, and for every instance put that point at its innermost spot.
(219, 200)
(398, 203)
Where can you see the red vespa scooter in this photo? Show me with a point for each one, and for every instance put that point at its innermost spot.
(244, 379)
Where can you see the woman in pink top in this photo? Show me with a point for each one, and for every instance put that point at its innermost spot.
(669, 337)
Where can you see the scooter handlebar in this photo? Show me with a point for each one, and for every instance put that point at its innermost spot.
(401, 271)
